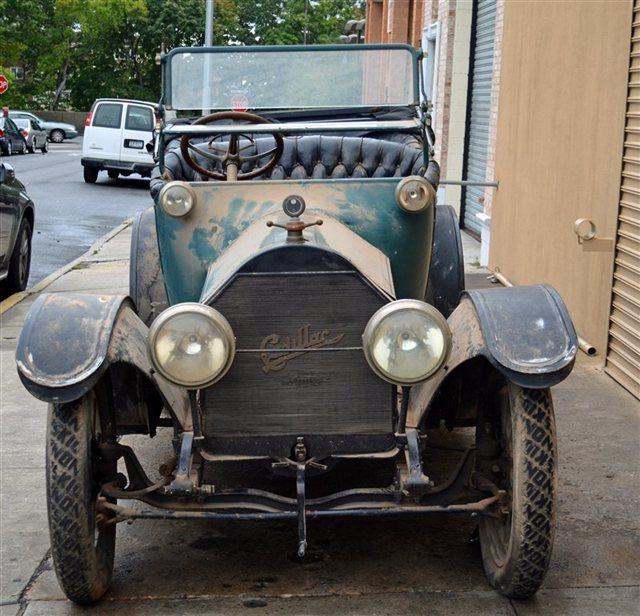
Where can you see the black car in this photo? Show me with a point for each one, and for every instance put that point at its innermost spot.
(11, 139)
(16, 228)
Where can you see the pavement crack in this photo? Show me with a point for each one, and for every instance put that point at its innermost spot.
(22, 599)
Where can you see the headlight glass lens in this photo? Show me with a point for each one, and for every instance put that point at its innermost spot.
(407, 341)
(177, 199)
(193, 346)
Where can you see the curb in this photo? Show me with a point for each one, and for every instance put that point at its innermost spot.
(16, 298)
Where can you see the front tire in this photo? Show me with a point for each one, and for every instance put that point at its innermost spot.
(90, 174)
(45, 147)
(82, 551)
(20, 262)
(516, 548)
(56, 135)
(31, 148)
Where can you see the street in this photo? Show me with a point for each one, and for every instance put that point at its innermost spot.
(71, 215)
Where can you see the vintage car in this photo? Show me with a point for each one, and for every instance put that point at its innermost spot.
(297, 307)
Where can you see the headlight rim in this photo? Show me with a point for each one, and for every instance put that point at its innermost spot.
(430, 193)
(167, 187)
(397, 306)
(207, 311)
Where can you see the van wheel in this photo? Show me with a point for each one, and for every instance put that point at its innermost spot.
(82, 538)
(45, 147)
(519, 427)
(113, 174)
(90, 174)
(31, 148)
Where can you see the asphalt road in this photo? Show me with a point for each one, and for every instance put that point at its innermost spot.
(70, 214)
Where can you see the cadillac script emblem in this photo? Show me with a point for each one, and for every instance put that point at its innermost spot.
(291, 347)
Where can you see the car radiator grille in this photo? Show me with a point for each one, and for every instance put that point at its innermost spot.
(299, 367)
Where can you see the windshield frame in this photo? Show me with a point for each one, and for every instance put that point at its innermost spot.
(416, 56)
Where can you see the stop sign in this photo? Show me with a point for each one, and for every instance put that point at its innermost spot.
(4, 84)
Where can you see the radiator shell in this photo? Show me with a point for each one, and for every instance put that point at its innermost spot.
(299, 368)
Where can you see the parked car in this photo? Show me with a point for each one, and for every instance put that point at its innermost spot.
(12, 141)
(57, 131)
(17, 214)
(116, 135)
(297, 312)
(34, 134)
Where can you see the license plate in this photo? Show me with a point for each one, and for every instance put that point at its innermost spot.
(134, 143)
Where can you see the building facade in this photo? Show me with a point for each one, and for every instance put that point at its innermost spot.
(544, 100)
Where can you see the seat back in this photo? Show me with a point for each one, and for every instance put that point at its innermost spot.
(308, 157)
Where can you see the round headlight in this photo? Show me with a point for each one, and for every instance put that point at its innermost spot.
(415, 194)
(191, 345)
(177, 199)
(406, 341)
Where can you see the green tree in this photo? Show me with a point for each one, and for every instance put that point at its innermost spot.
(74, 51)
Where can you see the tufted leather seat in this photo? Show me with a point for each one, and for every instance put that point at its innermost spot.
(310, 156)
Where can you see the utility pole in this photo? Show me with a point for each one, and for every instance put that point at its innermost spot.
(208, 41)
(208, 23)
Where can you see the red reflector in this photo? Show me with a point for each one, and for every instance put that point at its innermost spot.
(1, 133)
(87, 120)
(24, 133)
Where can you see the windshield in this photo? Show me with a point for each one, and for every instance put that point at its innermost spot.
(290, 78)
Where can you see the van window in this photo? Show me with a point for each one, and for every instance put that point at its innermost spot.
(108, 115)
(139, 118)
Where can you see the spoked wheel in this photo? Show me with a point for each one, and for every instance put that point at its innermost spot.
(82, 540)
(516, 547)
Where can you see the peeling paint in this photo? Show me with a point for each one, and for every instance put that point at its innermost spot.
(223, 210)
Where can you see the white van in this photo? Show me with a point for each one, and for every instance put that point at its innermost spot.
(116, 135)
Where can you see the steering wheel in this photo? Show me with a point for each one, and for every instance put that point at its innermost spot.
(230, 157)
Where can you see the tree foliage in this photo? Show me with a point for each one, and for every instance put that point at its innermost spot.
(74, 51)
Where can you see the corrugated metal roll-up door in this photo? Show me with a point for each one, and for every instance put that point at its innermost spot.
(479, 110)
(623, 356)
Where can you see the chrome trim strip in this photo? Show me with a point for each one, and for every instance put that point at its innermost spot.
(292, 127)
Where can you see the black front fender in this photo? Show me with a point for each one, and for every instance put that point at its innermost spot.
(528, 333)
(525, 333)
(69, 340)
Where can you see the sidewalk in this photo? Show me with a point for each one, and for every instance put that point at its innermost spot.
(24, 539)
(369, 567)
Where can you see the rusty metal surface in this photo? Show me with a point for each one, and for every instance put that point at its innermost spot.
(128, 344)
(467, 342)
(527, 329)
(69, 340)
(224, 210)
(524, 332)
(258, 237)
(146, 282)
(64, 342)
